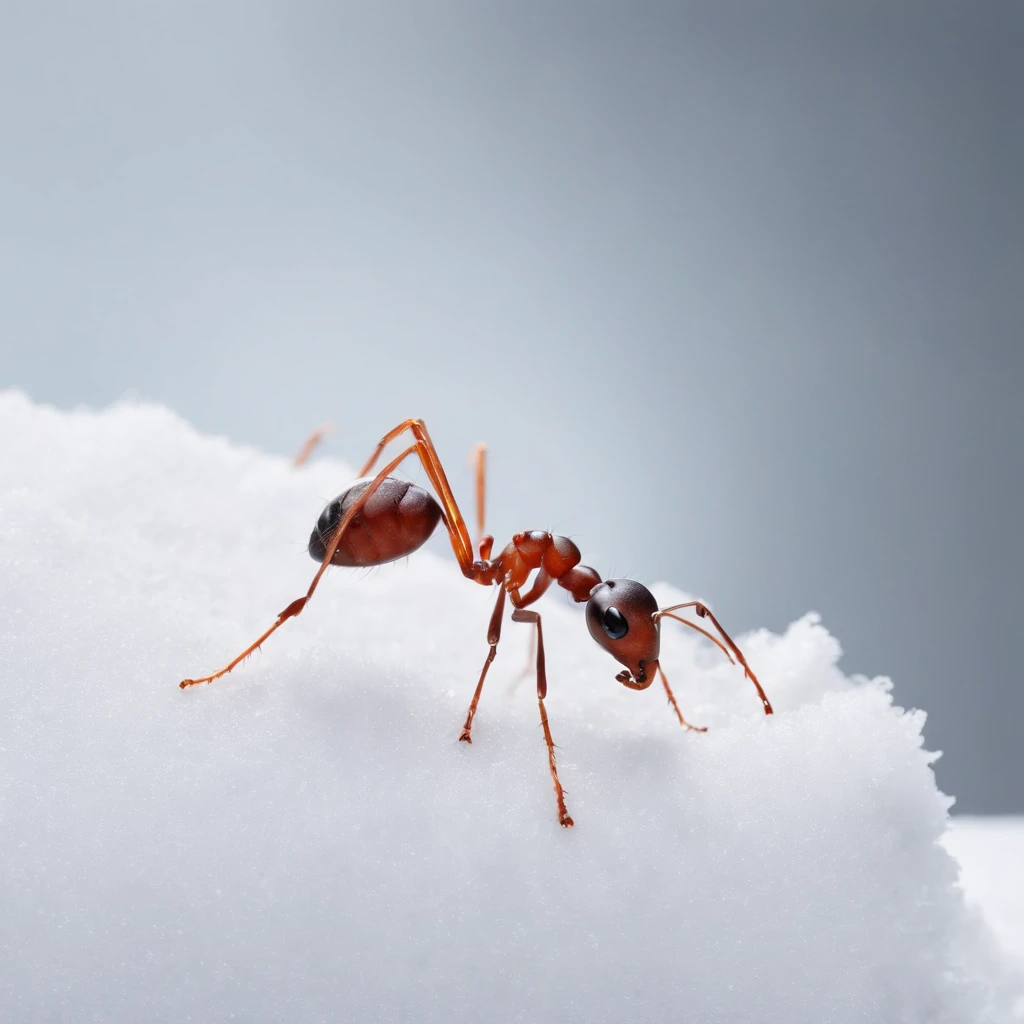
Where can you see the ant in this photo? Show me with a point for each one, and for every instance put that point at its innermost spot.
(379, 519)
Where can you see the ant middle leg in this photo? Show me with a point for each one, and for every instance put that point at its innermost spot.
(541, 582)
(542, 689)
(493, 636)
(528, 664)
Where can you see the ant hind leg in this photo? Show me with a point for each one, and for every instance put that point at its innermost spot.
(478, 459)
(295, 608)
(453, 519)
(310, 444)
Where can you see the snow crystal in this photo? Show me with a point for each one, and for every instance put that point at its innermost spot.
(306, 840)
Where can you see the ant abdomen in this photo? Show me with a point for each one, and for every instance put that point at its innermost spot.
(395, 520)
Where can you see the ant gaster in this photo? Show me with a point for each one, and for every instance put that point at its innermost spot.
(379, 519)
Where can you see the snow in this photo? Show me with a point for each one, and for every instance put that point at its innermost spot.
(306, 840)
(991, 853)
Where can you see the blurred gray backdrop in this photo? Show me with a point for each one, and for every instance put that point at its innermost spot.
(732, 289)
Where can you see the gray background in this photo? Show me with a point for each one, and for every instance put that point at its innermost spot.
(733, 290)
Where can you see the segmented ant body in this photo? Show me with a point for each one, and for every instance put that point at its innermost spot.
(379, 518)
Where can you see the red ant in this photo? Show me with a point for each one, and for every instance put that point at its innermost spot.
(380, 519)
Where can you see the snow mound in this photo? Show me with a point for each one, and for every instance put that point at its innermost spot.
(306, 840)
(991, 851)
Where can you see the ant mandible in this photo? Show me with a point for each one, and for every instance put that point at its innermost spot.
(380, 519)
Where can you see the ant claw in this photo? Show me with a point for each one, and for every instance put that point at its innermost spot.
(565, 821)
(465, 737)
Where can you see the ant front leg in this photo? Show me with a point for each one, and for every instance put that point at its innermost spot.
(493, 636)
(542, 689)
(704, 612)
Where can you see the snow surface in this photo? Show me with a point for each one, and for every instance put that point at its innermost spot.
(991, 853)
(306, 840)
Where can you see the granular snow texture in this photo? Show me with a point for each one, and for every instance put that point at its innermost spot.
(305, 840)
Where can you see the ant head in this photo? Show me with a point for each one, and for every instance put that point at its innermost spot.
(621, 618)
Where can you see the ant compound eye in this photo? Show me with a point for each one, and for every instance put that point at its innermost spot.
(615, 624)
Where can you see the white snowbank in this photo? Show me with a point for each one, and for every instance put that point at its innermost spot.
(991, 853)
(306, 840)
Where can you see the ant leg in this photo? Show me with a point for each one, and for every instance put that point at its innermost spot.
(514, 685)
(704, 612)
(310, 443)
(493, 636)
(457, 529)
(453, 521)
(675, 707)
(542, 688)
(703, 632)
(541, 582)
(478, 458)
(299, 603)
